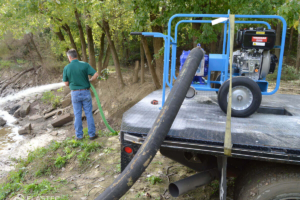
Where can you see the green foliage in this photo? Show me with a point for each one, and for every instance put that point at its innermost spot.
(139, 195)
(92, 147)
(60, 161)
(104, 74)
(288, 73)
(158, 162)
(85, 132)
(71, 155)
(83, 157)
(37, 189)
(118, 168)
(215, 186)
(154, 179)
(60, 89)
(107, 134)
(67, 150)
(49, 97)
(5, 64)
(107, 150)
(63, 197)
(73, 143)
(43, 171)
(54, 145)
(38, 153)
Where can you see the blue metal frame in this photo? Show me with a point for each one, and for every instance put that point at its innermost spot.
(224, 75)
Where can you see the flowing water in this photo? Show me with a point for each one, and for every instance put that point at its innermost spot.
(9, 133)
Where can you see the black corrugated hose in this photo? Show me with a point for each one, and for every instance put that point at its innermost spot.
(158, 131)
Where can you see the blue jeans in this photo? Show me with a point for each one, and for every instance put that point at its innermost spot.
(83, 99)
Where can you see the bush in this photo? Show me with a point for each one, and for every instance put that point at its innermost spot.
(49, 97)
(288, 73)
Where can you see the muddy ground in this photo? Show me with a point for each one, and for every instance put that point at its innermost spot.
(86, 179)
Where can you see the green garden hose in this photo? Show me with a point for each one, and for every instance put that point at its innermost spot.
(101, 111)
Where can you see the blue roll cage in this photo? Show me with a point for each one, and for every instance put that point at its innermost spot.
(217, 62)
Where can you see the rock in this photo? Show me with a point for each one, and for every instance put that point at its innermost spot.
(16, 122)
(35, 117)
(61, 120)
(66, 102)
(66, 90)
(22, 111)
(54, 133)
(37, 106)
(55, 112)
(31, 101)
(49, 110)
(13, 110)
(25, 129)
(2, 121)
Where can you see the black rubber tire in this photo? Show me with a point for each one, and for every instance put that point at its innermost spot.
(240, 81)
(268, 182)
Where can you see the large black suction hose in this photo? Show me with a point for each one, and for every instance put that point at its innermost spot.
(158, 131)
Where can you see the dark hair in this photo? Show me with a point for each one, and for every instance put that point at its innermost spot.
(72, 53)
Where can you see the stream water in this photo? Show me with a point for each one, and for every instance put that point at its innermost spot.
(9, 133)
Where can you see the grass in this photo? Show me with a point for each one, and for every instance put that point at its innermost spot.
(47, 160)
(37, 189)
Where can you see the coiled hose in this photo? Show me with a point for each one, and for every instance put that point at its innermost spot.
(101, 111)
(158, 131)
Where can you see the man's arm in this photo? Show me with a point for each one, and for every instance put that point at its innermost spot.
(67, 83)
(94, 77)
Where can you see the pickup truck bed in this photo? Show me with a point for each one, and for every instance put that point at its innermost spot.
(271, 134)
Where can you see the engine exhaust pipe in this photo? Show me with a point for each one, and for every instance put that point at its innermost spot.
(190, 183)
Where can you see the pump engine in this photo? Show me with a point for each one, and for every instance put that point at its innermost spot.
(254, 60)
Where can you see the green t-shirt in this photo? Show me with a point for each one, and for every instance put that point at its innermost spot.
(77, 74)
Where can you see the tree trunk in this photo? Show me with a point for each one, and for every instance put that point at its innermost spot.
(298, 49)
(35, 48)
(213, 47)
(107, 56)
(158, 43)
(221, 40)
(136, 72)
(114, 53)
(73, 44)
(278, 38)
(60, 35)
(150, 63)
(81, 36)
(290, 42)
(99, 65)
(142, 63)
(92, 59)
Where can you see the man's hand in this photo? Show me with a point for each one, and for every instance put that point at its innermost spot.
(67, 83)
(94, 77)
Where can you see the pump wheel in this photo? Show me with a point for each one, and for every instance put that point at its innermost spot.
(268, 181)
(246, 96)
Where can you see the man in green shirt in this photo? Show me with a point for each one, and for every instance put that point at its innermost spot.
(75, 76)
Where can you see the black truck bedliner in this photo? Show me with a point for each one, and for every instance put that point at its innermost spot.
(200, 125)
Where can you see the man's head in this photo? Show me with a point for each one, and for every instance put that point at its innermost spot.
(72, 55)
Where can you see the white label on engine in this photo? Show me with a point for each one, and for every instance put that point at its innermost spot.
(259, 44)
